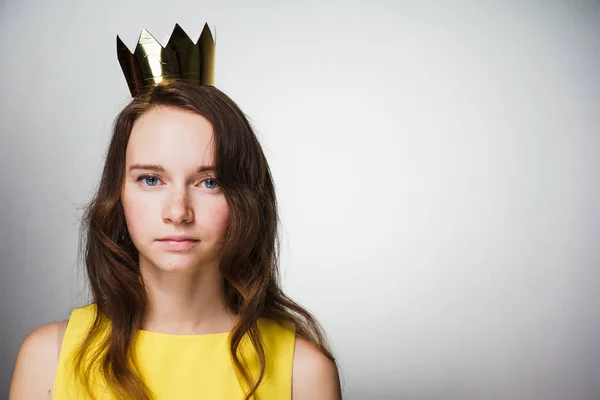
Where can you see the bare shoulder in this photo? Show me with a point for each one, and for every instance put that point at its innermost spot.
(314, 375)
(37, 361)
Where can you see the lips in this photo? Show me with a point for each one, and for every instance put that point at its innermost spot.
(178, 238)
(178, 244)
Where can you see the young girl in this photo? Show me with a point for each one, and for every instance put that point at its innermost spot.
(181, 253)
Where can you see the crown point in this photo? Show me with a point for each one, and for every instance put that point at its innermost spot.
(179, 38)
(121, 45)
(177, 28)
(206, 34)
(146, 39)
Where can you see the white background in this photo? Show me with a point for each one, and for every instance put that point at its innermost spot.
(436, 166)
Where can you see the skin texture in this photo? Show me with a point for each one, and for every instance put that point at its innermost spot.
(185, 287)
(35, 368)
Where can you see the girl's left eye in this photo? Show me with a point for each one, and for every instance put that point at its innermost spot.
(211, 180)
(154, 177)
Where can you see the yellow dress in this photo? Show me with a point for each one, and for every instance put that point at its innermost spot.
(182, 367)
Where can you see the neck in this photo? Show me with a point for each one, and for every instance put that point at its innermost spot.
(190, 302)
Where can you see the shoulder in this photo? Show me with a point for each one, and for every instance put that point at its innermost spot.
(37, 361)
(314, 375)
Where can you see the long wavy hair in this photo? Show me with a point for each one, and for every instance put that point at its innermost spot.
(249, 260)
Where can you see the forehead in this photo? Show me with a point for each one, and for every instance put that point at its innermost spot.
(171, 135)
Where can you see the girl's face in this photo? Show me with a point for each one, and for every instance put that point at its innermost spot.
(167, 193)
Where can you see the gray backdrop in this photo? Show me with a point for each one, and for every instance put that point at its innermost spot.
(436, 164)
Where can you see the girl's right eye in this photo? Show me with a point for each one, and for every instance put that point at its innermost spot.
(147, 176)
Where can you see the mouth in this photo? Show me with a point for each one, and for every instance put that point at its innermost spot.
(178, 244)
(177, 238)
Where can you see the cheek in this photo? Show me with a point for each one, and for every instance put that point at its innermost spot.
(134, 216)
(220, 217)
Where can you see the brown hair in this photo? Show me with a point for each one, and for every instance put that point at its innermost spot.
(250, 248)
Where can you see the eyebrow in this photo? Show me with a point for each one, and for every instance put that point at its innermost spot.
(160, 168)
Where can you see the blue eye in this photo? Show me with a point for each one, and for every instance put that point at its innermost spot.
(147, 176)
(211, 180)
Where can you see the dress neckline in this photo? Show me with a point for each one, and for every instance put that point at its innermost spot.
(163, 335)
(215, 335)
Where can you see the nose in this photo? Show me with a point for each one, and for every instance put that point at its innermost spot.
(177, 209)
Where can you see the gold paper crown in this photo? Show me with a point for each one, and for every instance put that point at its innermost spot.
(150, 62)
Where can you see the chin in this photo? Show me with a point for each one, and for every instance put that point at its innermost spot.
(178, 262)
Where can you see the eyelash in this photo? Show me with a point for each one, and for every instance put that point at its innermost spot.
(142, 177)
